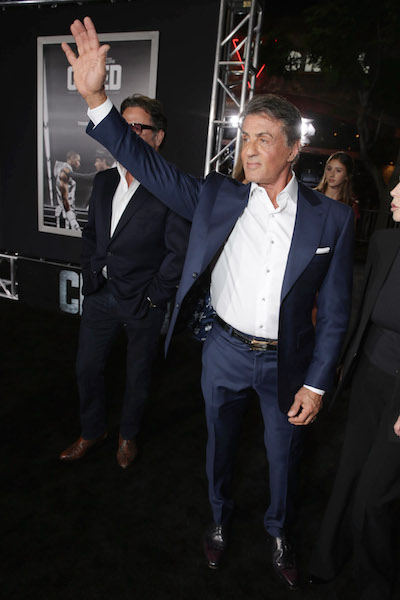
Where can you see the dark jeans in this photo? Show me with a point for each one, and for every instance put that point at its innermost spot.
(101, 321)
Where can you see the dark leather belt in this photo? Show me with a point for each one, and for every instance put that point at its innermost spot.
(247, 339)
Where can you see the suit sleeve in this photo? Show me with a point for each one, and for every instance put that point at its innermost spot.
(164, 285)
(178, 190)
(333, 310)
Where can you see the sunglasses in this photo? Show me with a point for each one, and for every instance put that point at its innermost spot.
(139, 127)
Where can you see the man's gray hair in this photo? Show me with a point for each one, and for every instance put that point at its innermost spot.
(280, 109)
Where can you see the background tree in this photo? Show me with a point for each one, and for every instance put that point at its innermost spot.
(357, 46)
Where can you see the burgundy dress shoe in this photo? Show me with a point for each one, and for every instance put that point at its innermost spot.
(127, 452)
(284, 561)
(80, 447)
(214, 544)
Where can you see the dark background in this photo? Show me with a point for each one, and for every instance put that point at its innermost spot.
(188, 32)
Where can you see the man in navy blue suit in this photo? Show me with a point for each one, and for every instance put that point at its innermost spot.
(274, 246)
(133, 250)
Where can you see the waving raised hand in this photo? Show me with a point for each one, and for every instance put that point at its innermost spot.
(90, 65)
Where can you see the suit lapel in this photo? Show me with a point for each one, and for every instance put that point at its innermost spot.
(310, 218)
(134, 204)
(226, 211)
(108, 190)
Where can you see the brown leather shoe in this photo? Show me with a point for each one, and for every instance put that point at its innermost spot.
(284, 561)
(127, 452)
(80, 447)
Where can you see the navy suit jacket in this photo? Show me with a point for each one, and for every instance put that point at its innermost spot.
(145, 254)
(305, 355)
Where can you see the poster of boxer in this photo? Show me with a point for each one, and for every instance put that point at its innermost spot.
(68, 159)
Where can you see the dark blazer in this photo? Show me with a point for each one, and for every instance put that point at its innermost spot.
(383, 248)
(213, 205)
(145, 255)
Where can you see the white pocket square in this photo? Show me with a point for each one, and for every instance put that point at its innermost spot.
(323, 250)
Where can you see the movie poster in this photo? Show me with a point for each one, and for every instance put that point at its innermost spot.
(68, 159)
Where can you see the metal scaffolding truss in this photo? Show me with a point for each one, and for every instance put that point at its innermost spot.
(8, 277)
(235, 71)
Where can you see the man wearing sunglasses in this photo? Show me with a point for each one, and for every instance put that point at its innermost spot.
(133, 250)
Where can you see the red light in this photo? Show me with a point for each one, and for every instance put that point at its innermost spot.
(260, 71)
(235, 43)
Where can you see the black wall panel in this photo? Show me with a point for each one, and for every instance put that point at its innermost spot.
(188, 30)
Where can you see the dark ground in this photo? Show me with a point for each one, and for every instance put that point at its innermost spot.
(92, 531)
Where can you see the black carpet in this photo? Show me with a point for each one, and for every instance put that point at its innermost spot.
(92, 531)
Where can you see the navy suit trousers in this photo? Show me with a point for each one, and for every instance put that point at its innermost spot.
(230, 370)
(101, 321)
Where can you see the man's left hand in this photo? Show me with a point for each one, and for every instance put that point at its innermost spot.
(305, 407)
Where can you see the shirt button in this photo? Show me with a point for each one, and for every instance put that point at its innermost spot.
(267, 271)
(177, 305)
(263, 299)
(272, 242)
(194, 275)
(261, 326)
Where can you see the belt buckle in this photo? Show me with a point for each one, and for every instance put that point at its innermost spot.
(258, 345)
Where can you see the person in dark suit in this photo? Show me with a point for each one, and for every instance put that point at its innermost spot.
(272, 245)
(359, 518)
(133, 249)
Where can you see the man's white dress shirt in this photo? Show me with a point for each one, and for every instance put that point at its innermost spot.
(122, 195)
(247, 279)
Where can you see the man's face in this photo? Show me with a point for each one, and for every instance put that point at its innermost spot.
(135, 114)
(100, 164)
(75, 161)
(265, 155)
